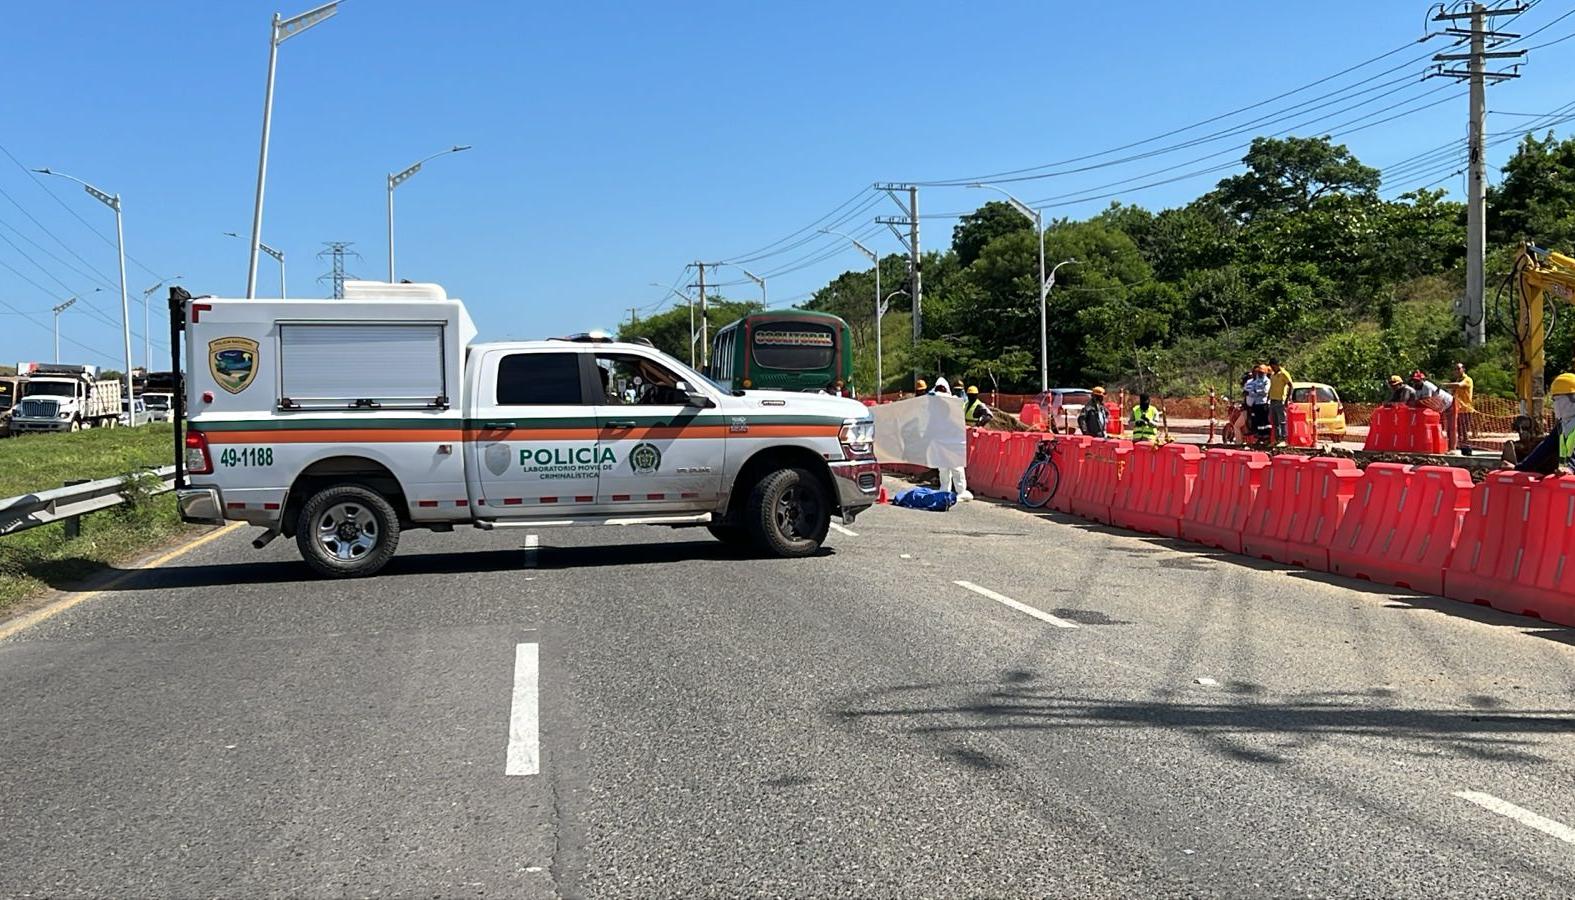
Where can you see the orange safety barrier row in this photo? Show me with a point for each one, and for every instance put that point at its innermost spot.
(1298, 508)
(1515, 547)
(1155, 485)
(1406, 429)
(1228, 482)
(1069, 454)
(1401, 525)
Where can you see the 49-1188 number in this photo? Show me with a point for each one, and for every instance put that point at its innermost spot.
(246, 456)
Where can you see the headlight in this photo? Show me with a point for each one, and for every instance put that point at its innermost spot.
(65, 416)
(858, 439)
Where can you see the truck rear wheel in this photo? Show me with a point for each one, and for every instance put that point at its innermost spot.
(789, 513)
(347, 531)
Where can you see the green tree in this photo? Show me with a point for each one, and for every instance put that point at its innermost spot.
(1288, 175)
(1536, 199)
(976, 230)
(668, 330)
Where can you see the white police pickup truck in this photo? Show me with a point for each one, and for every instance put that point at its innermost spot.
(344, 422)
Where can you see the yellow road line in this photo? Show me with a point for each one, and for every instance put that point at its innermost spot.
(71, 600)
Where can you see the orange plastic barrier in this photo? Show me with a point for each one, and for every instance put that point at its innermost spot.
(1298, 509)
(1401, 525)
(1069, 453)
(1227, 484)
(1298, 422)
(1406, 429)
(1032, 416)
(1156, 484)
(1517, 548)
(1098, 477)
(1116, 415)
(1019, 453)
(984, 462)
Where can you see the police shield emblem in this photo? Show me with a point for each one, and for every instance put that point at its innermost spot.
(233, 362)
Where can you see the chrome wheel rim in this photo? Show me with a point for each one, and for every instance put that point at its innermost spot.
(348, 531)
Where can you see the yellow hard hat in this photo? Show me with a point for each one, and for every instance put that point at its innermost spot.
(973, 390)
(1564, 384)
(920, 385)
(1394, 379)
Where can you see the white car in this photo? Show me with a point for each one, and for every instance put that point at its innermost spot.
(138, 415)
(1062, 406)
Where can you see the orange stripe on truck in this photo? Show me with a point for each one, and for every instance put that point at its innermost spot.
(335, 436)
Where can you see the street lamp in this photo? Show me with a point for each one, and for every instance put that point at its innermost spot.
(58, 310)
(691, 303)
(147, 334)
(113, 202)
(279, 32)
(395, 180)
(278, 255)
(1036, 217)
(880, 305)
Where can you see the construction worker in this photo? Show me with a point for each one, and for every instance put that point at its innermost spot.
(1400, 393)
(1145, 420)
(1095, 418)
(1257, 393)
(1561, 440)
(1465, 394)
(1279, 395)
(974, 409)
(920, 388)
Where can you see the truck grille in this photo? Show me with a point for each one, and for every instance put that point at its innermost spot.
(39, 409)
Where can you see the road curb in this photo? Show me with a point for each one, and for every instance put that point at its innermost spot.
(71, 599)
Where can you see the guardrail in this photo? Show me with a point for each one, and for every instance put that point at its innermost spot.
(63, 504)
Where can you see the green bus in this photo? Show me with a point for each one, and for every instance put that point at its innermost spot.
(792, 350)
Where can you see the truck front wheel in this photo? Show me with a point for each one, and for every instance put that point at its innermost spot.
(347, 531)
(789, 513)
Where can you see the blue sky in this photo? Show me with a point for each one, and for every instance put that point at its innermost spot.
(615, 142)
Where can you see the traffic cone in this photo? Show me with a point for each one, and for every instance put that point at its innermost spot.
(882, 498)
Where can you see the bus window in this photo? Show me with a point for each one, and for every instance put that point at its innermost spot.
(794, 345)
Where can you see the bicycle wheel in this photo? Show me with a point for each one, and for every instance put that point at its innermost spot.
(1039, 484)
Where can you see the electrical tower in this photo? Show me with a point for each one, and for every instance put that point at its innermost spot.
(1481, 38)
(911, 241)
(337, 251)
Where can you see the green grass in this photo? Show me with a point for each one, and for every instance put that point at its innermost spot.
(42, 558)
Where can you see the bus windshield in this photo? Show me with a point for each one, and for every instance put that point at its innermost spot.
(794, 345)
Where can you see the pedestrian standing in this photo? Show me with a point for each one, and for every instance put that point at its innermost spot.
(1257, 393)
(1279, 395)
(1094, 420)
(1465, 395)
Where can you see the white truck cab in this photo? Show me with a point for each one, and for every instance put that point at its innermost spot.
(343, 422)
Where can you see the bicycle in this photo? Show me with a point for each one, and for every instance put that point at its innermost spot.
(1041, 479)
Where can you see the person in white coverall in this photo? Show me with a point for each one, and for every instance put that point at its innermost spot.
(953, 479)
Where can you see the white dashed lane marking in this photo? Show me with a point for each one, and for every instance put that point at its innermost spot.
(840, 530)
(1523, 816)
(524, 752)
(1020, 607)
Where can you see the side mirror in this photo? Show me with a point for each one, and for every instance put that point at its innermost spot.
(693, 397)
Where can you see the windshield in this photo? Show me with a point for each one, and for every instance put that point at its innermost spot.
(49, 389)
(158, 401)
(794, 345)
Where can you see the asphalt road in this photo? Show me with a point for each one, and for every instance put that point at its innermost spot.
(856, 724)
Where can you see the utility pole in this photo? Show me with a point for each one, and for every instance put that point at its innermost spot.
(634, 316)
(705, 320)
(1474, 311)
(58, 310)
(337, 251)
(911, 241)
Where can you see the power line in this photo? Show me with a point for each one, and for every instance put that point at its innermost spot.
(753, 255)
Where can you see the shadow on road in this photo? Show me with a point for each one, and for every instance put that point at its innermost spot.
(174, 577)
(1239, 721)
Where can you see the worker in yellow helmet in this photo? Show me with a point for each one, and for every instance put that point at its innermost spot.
(1562, 439)
(974, 409)
(920, 388)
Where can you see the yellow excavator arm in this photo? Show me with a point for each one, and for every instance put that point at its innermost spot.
(1537, 273)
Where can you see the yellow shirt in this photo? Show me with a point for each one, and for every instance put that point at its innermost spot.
(1280, 385)
(1463, 394)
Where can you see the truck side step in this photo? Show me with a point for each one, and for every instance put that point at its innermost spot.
(695, 519)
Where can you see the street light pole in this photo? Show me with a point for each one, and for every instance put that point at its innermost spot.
(147, 321)
(757, 280)
(276, 254)
(278, 32)
(1037, 218)
(58, 310)
(690, 301)
(880, 313)
(880, 306)
(397, 179)
(113, 202)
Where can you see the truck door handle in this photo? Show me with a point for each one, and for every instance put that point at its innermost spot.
(620, 424)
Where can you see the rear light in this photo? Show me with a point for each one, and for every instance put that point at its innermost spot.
(198, 462)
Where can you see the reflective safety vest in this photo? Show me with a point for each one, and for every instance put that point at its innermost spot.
(1144, 423)
(971, 411)
(1567, 448)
